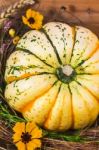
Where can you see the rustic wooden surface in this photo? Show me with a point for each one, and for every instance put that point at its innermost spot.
(86, 10)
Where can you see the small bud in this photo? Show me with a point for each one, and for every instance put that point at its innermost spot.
(12, 32)
(16, 39)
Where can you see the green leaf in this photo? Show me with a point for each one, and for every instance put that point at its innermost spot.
(64, 136)
(9, 117)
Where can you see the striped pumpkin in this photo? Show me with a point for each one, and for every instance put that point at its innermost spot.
(53, 77)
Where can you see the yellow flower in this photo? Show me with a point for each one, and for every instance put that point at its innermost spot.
(12, 32)
(16, 39)
(27, 136)
(33, 19)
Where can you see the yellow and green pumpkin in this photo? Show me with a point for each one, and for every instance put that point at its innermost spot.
(53, 77)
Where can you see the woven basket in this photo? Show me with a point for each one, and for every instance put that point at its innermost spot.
(85, 13)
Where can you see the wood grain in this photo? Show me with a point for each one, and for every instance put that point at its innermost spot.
(86, 10)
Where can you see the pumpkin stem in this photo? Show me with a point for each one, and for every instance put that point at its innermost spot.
(67, 70)
(65, 73)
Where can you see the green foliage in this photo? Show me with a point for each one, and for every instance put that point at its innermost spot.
(9, 116)
(64, 136)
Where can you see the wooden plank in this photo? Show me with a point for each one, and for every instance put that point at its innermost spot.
(85, 10)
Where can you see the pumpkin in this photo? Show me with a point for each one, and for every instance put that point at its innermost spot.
(53, 77)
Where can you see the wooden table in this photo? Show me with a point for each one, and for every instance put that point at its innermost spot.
(86, 10)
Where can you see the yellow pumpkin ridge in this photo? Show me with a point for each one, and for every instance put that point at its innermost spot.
(67, 96)
(49, 114)
(61, 114)
(49, 103)
(90, 92)
(96, 48)
(72, 124)
(28, 106)
(74, 31)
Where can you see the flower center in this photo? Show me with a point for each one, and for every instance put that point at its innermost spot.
(31, 20)
(26, 137)
(65, 73)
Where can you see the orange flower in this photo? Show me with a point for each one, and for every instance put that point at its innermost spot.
(27, 136)
(33, 19)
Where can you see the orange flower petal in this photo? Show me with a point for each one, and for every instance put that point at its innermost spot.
(36, 26)
(24, 19)
(39, 17)
(30, 126)
(33, 15)
(29, 13)
(20, 145)
(33, 26)
(30, 25)
(32, 145)
(36, 133)
(17, 137)
(19, 127)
